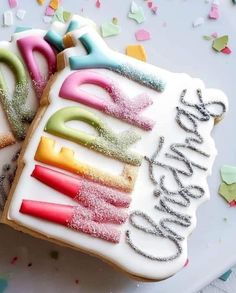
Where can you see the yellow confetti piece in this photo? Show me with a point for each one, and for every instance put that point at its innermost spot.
(136, 51)
(41, 2)
(54, 4)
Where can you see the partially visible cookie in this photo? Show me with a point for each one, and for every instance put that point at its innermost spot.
(116, 162)
(27, 62)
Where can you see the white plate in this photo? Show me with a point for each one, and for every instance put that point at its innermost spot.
(178, 47)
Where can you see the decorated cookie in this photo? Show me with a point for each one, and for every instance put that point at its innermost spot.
(27, 62)
(117, 160)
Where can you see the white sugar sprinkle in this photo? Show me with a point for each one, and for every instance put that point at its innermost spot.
(7, 18)
(20, 14)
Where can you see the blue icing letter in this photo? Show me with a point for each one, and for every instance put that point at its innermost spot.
(96, 58)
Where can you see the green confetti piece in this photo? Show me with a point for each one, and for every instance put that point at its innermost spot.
(220, 43)
(59, 15)
(136, 13)
(54, 254)
(228, 192)
(22, 29)
(109, 29)
(207, 38)
(66, 15)
(228, 174)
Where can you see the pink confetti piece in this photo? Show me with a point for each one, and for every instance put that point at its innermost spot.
(98, 3)
(12, 3)
(214, 13)
(49, 11)
(149, 4)
(142, 35)
(214, 35)
(186, 263)
(227, 51)
(154, 9)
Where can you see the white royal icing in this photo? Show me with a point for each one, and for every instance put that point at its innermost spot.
(163, 112)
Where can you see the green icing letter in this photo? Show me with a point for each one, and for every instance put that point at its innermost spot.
(106, 142)
(16, 111)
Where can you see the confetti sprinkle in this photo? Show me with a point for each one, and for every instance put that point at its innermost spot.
(198, 22)
(47, 19)
(59, 15)
(220, 43)
(98, 3)
(54, 4)
(54, 254)
(20, 14)
(214, 35)
(228, 185)
(154, 9)
(3, 285)
(109, 29)
(214, 12)
(142, 35)
(228, 174)
(226, 50)
(12, 3)
(30, 264)
(136, 13)
(41, 2)
(207, 38)
(226, 275)
(49, 11)
(66, 15)
(136, 51)
(7, 18)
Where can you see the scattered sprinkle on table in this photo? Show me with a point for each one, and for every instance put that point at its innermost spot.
(136, 13)
(136, 51)
(142, 35)
(7, 18)
(109, 29)
(12, 3)
(228, 185)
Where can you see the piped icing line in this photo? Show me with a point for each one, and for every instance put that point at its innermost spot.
(14, 107)
(65, 159)
(78, 187)
(74, 217)
(168, 199)
(6, 140)
(120, 105)
(27, 46)
(100, 56)
(106, 142)
(86, 195)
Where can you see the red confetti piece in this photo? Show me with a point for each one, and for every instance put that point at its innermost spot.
(226, 50)
(14, 260)
(232, 203)
(98, 4)
(76, 281)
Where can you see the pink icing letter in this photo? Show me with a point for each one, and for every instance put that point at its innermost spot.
(120, 106)
(27, 46)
